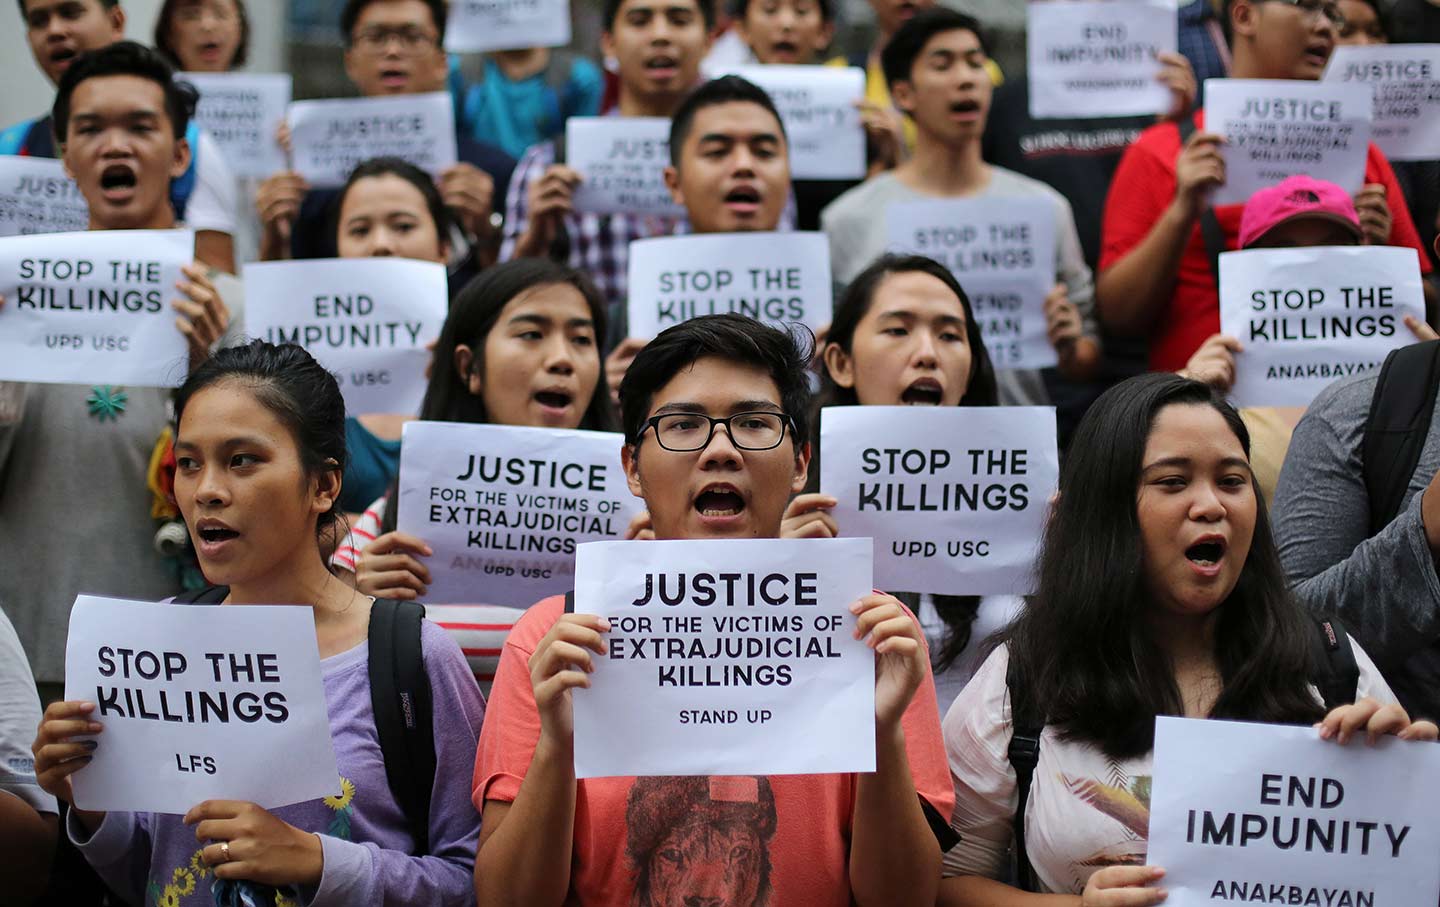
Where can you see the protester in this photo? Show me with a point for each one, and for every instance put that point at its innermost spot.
(785, 31)
(121, 122)
(523, 97)
(27, 813)
(658, 45)
(392, 47)
(550, 839)
(203, 35)
(1157, 476)
(519, 347)
(203, 194)
(935, 64)
(1156, 278)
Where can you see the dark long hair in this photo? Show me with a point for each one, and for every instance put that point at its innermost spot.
(1082, 642)
(166, 21)
(956, 611)
(398, 167)
(472, 316)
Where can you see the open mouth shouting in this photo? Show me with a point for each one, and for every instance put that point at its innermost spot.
(662, 67)
(394, 78)
(555, 403)
(213, 537)
(785, 52)
(923, 392)
(965, 110)
(1317, 54)
(743, 200)
(117, 183)
(1207, 554)
(209, 51)
(719, 503)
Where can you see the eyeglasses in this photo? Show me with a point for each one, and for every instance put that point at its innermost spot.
(374, 39)
(688, 432)
(1327, 8)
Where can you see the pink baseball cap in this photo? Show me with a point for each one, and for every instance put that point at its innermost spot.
(1297, 197)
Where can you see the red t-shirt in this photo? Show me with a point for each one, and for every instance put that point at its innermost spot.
(788, 832)
(1143, 188)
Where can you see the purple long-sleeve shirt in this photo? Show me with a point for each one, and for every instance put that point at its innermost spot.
(153, 858)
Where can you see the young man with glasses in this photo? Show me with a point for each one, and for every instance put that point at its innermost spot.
(1156, 278)
(716, 411)
(392, 47)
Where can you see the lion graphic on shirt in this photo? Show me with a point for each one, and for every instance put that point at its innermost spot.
(700, 840)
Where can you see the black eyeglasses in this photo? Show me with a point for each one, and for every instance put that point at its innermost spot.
(688, 432)
(374, 39)
(1327, 8)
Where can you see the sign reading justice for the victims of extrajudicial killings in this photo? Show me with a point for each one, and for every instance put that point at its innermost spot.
(504, 507)
(368, 320)
(37, 197)
(1277, 128)
(1308, 316)
(330, 137)
(777, 278)
(485, 25)
(1284, 817)
(621, 162)
(1099, 58)
(823, 129)
(1406, 82)
(739, 654)
(1002, 250)
(241, 111)
(198, 703)
(93, 307)
(955, 498)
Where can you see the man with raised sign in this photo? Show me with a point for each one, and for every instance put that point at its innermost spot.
(1157, 279)
(715, 413)
(936, 66)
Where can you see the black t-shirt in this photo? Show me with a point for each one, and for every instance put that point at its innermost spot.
(1414, 22)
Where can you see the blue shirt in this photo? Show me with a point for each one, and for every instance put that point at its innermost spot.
(516, 115)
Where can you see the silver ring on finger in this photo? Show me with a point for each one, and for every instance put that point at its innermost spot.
(224, 851)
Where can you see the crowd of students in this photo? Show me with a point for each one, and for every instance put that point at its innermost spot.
(1184, 559)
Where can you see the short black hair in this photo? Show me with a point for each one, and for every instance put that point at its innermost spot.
(125, 58)
(399, 167)
(724, 90)
(104, 4)
(611, 9)
(785, 355)
(899, 56)
(163, 25)
(739, 8)
(350, 14)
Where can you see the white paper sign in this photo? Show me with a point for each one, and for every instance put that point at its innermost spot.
(822, 124)
(778, 278)
(1284, 817)
(622, 161)
(954, 497)
(93, 307)
(729, 657)
(1406, 81)
(1002, 250)
(366, 319)
(37, 197)
(241, 111)
(331, 137)
(504, 507)
(197, 703)
(1098, 58)
(1311, 315)
(483, 25)
(1278, 128)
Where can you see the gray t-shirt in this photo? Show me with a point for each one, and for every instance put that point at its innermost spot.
(1384, 588)
(855, 224)
(19, 717)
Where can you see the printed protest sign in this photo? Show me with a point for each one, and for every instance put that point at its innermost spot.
(93, 307)
(778, 278)
(366, 319)
(740, 651)
(1288, 818)
(622, 163)
(241, 111)
(504, 507)
(1406, 82)
(822, 124)
(1311, 315)
(331, 137)
(1098, 58)
(484, 25)
(197, 704)
(37, 197)
(1276, 128)
(954, 497)
(1002, 250)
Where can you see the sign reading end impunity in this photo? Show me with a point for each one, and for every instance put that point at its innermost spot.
(741, 652)
(197, 702)
(1099, 58)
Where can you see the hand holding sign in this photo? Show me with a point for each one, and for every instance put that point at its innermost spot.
(1178, 75)
(277, 202)
(560, 663)
(388, 567)
(204, 317)
(549, 200)
(58, 754)
(1199, 170)
(900, 655)
(1375, 720)
(253, 845)
(1124, 886)
(1373, 207)
(470, 193)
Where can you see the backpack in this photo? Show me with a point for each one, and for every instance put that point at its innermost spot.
(400, 697)
(1336, 680)
(1397, 427)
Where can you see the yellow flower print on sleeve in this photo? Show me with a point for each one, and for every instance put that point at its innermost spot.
(347, 793)
(183, 880)
(344, 806)
(170, 897)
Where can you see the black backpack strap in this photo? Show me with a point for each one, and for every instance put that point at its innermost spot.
(1337, 675)
(210, 595)
(1026, 725)
(400, 697)
(1398, 424)
(1209, 226)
